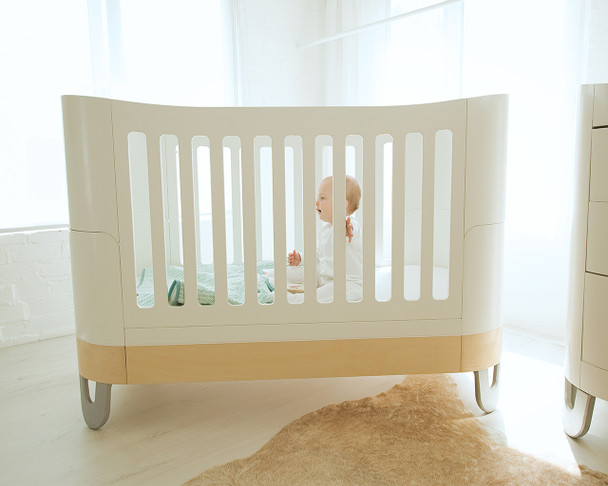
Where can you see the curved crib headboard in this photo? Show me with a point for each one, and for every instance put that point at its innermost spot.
(138, 174)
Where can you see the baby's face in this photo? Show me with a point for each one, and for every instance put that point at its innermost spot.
(324, 201)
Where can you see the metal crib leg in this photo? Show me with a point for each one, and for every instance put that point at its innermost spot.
(95, 413)
(486, 394)
(578, 411)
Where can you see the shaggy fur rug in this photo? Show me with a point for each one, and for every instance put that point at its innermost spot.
(417, 433)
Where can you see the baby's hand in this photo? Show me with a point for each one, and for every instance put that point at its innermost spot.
(294, 259)
(349, 230)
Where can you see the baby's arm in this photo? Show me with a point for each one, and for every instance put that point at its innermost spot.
(349, 230)
(294, 259)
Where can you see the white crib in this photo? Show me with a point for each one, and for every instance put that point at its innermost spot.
(158, 189)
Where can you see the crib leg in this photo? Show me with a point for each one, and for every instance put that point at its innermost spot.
(578, 411)
(486, 394)
(96, 412)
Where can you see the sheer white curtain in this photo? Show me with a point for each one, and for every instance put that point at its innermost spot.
(424, 53)
(537, 52)
(531, 51)
(158, 51)
(355, 65)
(177, 52)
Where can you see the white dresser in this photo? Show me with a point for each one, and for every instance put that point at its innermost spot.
(586, 369)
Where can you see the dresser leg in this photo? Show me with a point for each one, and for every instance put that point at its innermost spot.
(486, 394)
(578, 411)
(96, 412)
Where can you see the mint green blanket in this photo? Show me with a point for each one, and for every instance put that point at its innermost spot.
(206, 285)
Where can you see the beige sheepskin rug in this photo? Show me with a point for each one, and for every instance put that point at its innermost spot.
(417, 433)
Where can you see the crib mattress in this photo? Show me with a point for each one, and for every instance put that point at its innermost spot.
(236, 284)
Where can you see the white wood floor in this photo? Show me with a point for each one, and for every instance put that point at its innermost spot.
(166, 434)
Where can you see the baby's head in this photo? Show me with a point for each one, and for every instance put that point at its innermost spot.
(324, 198)
(353, 195)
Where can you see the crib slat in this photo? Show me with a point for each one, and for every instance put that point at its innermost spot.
(297, 193)
(321, 141)
(278, 210)
(378, 199)
(188, 220)
(129, 172)
(369, 219)
(155, 188)
(309, 219)
(428, 209)
(196, 143)
(339, 217)
(257, 164)
(249, 221)
(219, 222)
(398, 230)
(168, 150)
(236, 201)
(457, 208)
(357, 143)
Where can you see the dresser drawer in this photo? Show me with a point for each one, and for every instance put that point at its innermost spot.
(597, 238)
(600, 106)
(595, 321)
(598, 189)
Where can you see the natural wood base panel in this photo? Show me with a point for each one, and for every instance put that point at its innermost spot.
(290, 359)
(295, 359)
(104, 364)
(481, 351)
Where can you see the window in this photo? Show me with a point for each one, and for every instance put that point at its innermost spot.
(41, 60)
(136, 50)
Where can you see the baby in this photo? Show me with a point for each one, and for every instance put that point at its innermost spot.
(325, 259)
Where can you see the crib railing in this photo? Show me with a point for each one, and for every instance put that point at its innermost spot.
(237, 186)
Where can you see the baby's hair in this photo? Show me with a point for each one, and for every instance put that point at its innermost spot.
(353, 195)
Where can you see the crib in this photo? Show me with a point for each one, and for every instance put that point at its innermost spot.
(175, 213)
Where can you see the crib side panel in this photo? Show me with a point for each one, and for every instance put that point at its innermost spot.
(278, 124)
(478, 130)
(90, 164)
(484, 213)
(578, 242)
(482, 284)
(486, 160)
(97, 288)
(94, 237)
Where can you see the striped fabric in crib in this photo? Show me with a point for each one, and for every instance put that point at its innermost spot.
(206, 285)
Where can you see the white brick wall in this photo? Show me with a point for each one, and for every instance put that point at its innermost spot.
(596, 39)
(35, 286)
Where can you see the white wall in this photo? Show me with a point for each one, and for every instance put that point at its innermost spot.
(595, 42)
(35, 286)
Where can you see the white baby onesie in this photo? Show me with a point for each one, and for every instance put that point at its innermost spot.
(325, 267)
